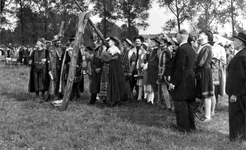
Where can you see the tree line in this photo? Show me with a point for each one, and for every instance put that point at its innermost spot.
(42, 18)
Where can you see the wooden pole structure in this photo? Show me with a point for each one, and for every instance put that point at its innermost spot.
(83, 19)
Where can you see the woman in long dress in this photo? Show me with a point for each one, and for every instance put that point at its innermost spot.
(113, 87)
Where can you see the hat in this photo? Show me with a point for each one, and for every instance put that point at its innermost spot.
(241, 36)
(128, 41)
(116, 41)
(55, 38)
(140, 38)
(156, 40)
(209, 34)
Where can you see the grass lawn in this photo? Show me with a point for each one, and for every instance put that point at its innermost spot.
(27, 124)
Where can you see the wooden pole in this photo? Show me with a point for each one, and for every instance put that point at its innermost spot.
(83, 19)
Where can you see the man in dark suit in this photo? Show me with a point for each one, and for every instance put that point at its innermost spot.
(183, 83)
(236, 90)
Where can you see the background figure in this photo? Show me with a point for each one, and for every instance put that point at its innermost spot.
(204, 75)
(128, 59)
(152, 70)
(39, 70)
(236, 90)
(78, 85)
(164, 73)
(56, 54)
(183, 83)
(135, 51)
(96, 72)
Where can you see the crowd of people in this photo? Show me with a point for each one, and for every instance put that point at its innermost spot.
(173, 72)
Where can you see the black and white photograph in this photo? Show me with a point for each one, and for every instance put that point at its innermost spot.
(123, 74)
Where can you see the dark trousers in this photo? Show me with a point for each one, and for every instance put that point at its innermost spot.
(237, 116)
(93, 98)
(184, 116)
(39, 79)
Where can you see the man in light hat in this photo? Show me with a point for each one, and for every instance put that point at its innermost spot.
(236, 90)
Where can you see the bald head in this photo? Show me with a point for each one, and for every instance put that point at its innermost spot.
(182, 36)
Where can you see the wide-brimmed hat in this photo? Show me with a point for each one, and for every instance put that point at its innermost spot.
(128, 41)
(241, 36)
(156, 40)
(116, 41)
(141, 38)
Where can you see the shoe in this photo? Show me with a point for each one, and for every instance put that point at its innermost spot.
(198, 115)
(91, 103)
(207, 119)
(169, 109)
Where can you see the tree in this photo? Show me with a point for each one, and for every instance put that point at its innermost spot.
(169, 25)
(182, 9)
(112, 29)
(211, 11)
(107, 11)
(134, 13)
(231, 11)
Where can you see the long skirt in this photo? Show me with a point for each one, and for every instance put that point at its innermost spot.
(104, 80)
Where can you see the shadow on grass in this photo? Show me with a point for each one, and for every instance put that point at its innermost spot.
(18, 96)
(138, 112)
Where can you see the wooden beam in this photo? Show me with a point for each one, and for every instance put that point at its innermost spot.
(83, 19)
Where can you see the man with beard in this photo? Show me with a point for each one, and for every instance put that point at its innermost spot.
(183, 83)
(56, 52)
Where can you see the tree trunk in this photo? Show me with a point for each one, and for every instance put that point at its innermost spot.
(78, 41)
(104, 19)
(177, 11)
(232, 18)
(22, 24)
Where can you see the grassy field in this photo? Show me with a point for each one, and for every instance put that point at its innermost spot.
(27, 124)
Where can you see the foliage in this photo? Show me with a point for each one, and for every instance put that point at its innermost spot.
(169, 25)
(230, 13)
(107, 10)
(182, 9)
(125, 32)
(134, 14)
(112, 29)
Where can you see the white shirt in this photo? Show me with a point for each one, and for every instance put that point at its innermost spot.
(182, 44)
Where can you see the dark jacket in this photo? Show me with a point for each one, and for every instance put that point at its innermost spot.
(236, 75)
(183, 76)
(95, 77)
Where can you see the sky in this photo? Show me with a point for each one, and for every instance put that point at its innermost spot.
(156, 20)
